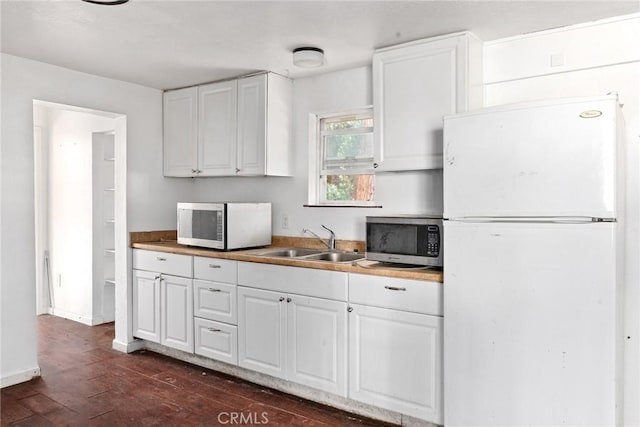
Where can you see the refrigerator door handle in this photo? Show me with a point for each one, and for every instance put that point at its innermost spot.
(555, 220)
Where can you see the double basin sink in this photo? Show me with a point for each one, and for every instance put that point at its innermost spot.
(312, 255)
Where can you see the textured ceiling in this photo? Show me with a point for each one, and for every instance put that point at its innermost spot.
(170, 44)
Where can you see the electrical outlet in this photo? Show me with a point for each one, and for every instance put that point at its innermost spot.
(285, 221)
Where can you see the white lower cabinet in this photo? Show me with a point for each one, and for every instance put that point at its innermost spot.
(146, 305)
(382, 348)
(297, 338)
(215, 308)
(176, 312)
(262, 327)
(215, 301)
(395, 361)
(162, 299)
(216, 340)
(317, 343)
(163, 309)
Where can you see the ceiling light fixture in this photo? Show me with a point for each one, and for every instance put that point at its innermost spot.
(308, 57)
(106, 2)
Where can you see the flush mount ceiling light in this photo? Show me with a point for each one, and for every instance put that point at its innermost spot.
(106, 2)
(308, 57)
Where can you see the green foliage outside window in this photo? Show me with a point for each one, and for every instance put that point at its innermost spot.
(348, 149)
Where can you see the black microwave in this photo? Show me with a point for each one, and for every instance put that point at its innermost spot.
(407, 239)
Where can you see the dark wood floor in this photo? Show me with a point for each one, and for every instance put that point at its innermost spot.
(85, 382)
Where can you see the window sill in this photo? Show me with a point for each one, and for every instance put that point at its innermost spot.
(341, 206)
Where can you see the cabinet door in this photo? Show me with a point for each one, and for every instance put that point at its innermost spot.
(176, 312)
(317, 343)
(262, 340)
(217, 128)
(415, 85)
(180, 122)
(252, 125)
(395, 361)
(146, 305)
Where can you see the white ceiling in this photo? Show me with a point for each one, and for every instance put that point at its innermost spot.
(170, 44)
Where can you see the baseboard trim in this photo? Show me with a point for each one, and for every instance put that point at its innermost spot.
(127, 347)
(20, 377)
(89, 321)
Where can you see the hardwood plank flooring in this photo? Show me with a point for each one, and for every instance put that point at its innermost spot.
(86, 383)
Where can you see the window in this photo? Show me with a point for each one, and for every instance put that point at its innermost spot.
(341, 171)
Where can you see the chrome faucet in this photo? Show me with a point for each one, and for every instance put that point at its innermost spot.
(331, 241)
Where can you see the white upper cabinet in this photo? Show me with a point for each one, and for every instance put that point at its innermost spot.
(414, 85)
(251, 133)
(180, 132)
(236, 127)
(217, 129)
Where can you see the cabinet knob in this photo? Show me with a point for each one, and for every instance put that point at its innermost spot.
(194, 171)
(375, 165)
(395, 288)
(213, 290)
(198, 171)
(281, 299)
(288, 299)
(237, 170)
(349, 309)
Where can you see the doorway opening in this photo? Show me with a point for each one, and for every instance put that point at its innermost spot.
(80, 211)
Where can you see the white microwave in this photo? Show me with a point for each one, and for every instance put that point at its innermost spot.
(406, 239)
(224, 225)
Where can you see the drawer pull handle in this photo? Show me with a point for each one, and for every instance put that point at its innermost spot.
(214, 266)
(214, 330)
(213, 290)
(159, 258)
(395, 288)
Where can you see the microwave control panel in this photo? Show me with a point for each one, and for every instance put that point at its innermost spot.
(433, 241)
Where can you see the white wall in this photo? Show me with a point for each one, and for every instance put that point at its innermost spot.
(151, 198)
(402, 192)
(598, 58)
(41, 186)
(71, 213)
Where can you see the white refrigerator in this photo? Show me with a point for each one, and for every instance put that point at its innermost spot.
(533, 202)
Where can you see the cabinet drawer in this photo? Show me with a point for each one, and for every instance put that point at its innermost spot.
(302, 281)
(216, 340)
(402, 294)
(215, 301)
(215, 269)
(162, 262)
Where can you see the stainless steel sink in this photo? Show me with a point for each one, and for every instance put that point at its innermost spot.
(290, 252)
(311, 254)
(335, 256)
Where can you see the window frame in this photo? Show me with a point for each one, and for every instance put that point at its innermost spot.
(317, 189)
